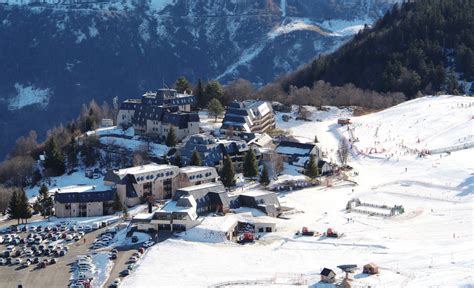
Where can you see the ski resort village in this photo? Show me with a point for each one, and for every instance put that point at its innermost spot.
(253, 194)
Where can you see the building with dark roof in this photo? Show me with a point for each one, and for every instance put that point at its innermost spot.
(158, 181)
(155, 113)
(212, 150)
(265, 201)
(248, 116)
(296, 153)
(83, 201)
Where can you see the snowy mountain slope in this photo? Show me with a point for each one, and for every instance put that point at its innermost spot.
(101, 49)
(430, 245)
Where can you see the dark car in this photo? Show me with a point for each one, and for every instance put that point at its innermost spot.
(113, 256)
(42, 264)
(125, 272)
(9, 260)
(53, 261)
(24, 229)
(35, 260)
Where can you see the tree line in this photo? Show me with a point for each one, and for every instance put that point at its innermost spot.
(418, 47)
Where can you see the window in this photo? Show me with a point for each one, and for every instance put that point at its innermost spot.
(67, 206)
(268, 229)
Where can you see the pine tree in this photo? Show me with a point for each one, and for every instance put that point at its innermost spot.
(125, 211)
(312, 169)
(228, 174)
(264, 177)
(171, 138)
(54, 158)
(215, 108)
(199, 94)
(24, 206)
(13, 207)
(213, 90)
(195, 159)
(178, 161)
(72, 153)
(250, 165)
(182, 84)
(44, 203)
(117, 206)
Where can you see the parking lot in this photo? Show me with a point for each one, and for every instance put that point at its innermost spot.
(44, 244)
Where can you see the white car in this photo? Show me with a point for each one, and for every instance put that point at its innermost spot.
(80, 228)
(3, 261)
(96, 225)
(29, 253)
(17, 261)
(69, 237)
(11, 248)
(116, 283)
(133, 259)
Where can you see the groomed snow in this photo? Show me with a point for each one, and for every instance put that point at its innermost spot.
(430, 245)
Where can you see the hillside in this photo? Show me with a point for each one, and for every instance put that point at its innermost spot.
(424, 46)
(432, 237)
(56, 55)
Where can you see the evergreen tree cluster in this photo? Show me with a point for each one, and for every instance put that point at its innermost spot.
(19, 207)
(418, 46)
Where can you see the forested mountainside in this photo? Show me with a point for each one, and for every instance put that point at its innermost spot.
(57, 55)
(419, 46)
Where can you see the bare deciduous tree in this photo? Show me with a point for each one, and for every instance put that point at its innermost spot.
(343, 151)
(276, 162)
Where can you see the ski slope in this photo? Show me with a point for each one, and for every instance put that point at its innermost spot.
(430, 245)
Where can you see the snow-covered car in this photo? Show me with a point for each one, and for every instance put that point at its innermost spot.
(69, 237)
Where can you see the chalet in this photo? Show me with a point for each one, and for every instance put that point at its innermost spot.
(155, 114)
(343, 121)
(265, 201)
(328, 276)
(296, 153)
(248, 116)
(212, 150)
(159, 181)
(210, 197)
(83, 201)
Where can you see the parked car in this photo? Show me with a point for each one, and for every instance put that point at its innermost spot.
(3, 261)
(148, 244)
(69, 237)
(17, 261)
(125, 272)
(53, 261)
(26, 264)
(42, 264)
(133, 259)
(88, 228)
(116, 283)
(95, 225)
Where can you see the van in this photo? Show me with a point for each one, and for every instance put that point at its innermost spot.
(95, 225)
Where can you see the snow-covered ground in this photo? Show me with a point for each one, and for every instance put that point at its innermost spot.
(430, 245)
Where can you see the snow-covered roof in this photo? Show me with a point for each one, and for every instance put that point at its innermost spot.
(153, 167)
(79, 188)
